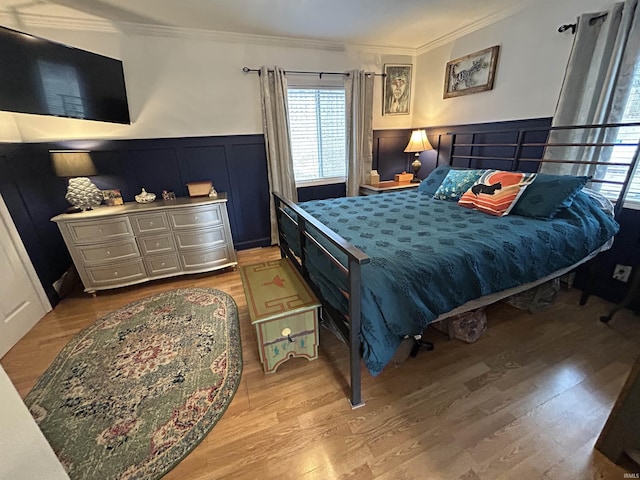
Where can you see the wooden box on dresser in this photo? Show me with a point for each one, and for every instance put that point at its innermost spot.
(115, 246)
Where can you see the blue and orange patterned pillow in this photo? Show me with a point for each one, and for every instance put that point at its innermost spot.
(496, 191)
(456, 183)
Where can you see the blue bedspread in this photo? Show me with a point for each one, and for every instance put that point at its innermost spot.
(430, 256)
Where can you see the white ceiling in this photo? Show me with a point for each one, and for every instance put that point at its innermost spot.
(410, 24)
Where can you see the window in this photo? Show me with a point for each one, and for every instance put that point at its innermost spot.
(629, 135)
(318, 137)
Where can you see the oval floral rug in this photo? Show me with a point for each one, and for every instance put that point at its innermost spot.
(131, 395)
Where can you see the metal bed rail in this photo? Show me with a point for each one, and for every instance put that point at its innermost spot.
(355, 259)
(598, 135)
(348, 325)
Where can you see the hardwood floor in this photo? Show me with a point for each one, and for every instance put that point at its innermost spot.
(527, 400)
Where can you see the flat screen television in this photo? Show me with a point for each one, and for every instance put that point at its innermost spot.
(47, 78)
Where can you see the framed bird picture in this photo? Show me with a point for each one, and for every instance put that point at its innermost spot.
(472, 73)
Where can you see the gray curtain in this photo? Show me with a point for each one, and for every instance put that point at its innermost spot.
(275, 122)
(358, 87)
(596, 86)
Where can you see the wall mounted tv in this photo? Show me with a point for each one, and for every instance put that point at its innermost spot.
(47, 78)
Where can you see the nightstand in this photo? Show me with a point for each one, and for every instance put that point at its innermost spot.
(383, 187)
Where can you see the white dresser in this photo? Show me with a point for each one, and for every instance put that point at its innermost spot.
(122, 245)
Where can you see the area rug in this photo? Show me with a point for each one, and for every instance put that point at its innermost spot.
(133, 394)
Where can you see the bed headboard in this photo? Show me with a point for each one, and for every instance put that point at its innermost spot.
(615, 146)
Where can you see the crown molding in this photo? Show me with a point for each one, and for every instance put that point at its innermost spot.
(55, 21)
(10, 18)
(227, 37)
(380, 49)
(68, 23)
(470, 28)
(100, 25)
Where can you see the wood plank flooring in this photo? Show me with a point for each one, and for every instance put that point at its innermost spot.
(527, 400)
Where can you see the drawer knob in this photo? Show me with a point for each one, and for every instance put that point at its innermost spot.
(115, 274)
(151, 224)
(100, 230)
(157, 244)
(286, 332)
(195, 218)
(108, 253)
(162, 264)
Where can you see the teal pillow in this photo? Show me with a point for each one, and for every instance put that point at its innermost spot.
(456, 183)
(429, 185)
(548, 194)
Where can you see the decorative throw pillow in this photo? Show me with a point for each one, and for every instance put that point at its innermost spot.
(496, 191)
(456, 183)
(548, 194)
(429, 185)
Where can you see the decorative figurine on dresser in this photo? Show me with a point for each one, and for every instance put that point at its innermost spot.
(115, 246)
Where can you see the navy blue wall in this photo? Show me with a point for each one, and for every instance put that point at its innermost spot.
(321, 192)
(235, 164)
(597, 276)
(389, 157)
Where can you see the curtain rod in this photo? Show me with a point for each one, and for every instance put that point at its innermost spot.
(573, 26)
(252, 70)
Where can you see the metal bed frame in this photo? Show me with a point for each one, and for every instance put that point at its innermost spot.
(347, 327)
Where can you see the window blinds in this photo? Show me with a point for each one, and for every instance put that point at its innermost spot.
(317, 129)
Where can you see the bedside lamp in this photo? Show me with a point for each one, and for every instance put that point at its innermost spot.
(417, 143)
(77, 165)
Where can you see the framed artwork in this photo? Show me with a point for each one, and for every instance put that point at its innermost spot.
(396, 92)
(472, 73)
(112, 197)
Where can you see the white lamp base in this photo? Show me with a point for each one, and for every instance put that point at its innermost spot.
(83, 194)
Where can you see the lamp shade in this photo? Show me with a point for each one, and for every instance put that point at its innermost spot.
(72, 163)
(418, 142)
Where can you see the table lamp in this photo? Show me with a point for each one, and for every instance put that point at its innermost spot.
(77, 165)
(417, 143)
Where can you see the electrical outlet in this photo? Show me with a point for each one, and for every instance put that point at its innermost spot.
(622, 272)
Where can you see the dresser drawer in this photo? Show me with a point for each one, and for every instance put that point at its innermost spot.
(205, 238)
(118, 273)
(110, 252)
(203, 260)
(156, 244)
(149, 223)
(195, 217)
(162, 265)
(100, 230)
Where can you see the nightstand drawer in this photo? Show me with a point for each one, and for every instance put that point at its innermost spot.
(149, 223)
(199, 217)
(116, 251)
(119, 273)
(162, 265)
(209, 238)
(156, 244)
(100, 230)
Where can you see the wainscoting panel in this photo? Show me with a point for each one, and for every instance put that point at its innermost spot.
(388, 152)
(247, 163)
(235, 164)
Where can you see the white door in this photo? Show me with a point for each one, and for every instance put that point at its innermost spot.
(22, 298)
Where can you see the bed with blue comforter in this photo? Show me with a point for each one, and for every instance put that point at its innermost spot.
(430, 256)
